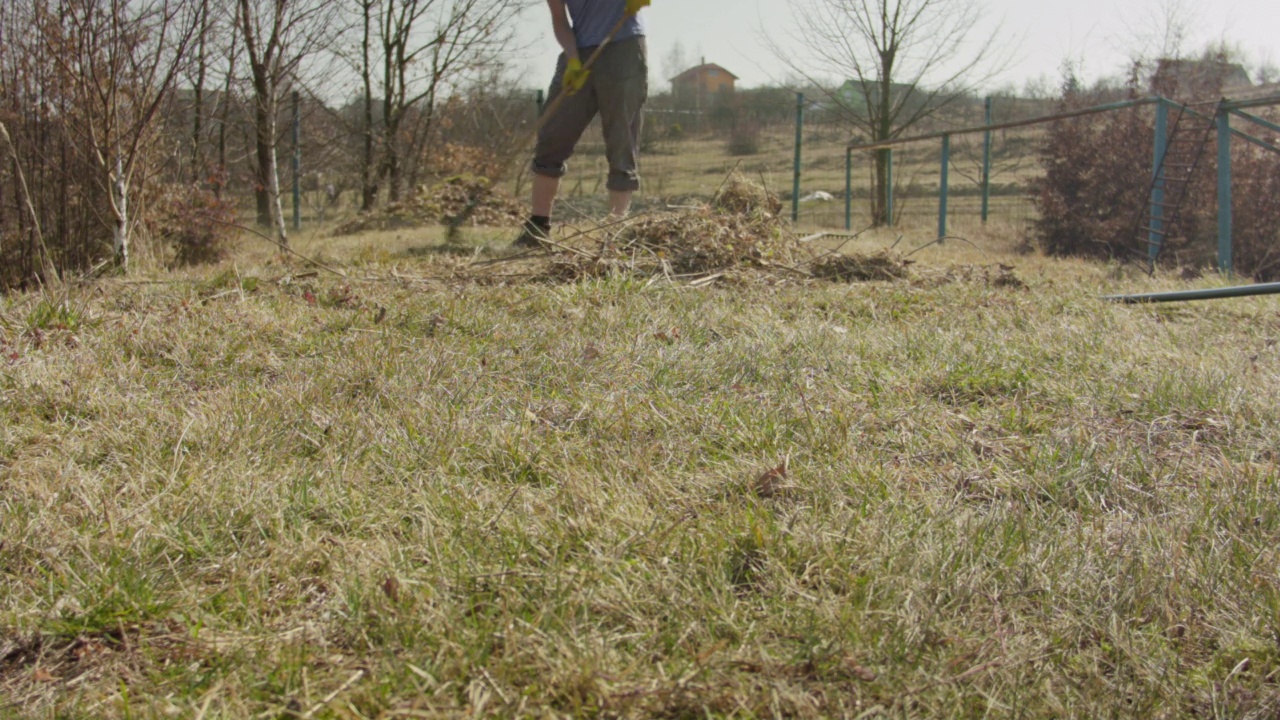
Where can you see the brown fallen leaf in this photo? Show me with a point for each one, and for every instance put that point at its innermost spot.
(771, 483)
(43, 676)
(861, 672)
(668, 336)
(391, 588)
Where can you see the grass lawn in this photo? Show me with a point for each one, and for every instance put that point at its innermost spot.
(238, 493)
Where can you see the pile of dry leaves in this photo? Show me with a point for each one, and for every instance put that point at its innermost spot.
(742, 234)
(882, 265)
(742, 227)
(463, 200)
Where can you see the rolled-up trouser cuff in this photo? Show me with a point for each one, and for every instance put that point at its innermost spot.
(551, 170)
(620, 181)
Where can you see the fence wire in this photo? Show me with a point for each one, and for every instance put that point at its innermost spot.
(687, 154)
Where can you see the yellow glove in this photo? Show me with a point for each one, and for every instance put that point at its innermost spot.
(574, 76)
(634, 6)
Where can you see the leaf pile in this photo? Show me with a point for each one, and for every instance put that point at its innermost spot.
(742, 227)
(861, 268)
(462, 200)
(743, 197)
(998, 275)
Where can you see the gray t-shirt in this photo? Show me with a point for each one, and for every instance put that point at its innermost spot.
(593, 19)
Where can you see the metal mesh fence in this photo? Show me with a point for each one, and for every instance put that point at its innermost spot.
(917, 170)
(688, 153)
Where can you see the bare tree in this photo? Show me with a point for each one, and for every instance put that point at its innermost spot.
(1158, 30)
(412, 53)
(675, 61)
(121, 58)
(204, 31)
(278, 36)
(368, 165)
(905, 62)
(224, 110)
(53, 208)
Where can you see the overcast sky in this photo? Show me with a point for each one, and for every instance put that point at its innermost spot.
(1096, 34)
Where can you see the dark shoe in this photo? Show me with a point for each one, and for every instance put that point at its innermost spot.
(532, 235)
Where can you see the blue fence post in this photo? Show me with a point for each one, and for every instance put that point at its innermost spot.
(1225, 260)
(943, 183)
(888, 192)
(1161, 146)
(297, 162)
(986, 165)
(795, 184)
(848, 189)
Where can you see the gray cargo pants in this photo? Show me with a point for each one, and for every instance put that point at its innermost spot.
(617, 90)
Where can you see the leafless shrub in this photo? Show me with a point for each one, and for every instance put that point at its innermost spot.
(1098, 172)
(1095, 170)
(81, 85)
(195, 225)
(744, 139)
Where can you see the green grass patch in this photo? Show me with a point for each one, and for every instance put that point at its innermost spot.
(623, 498)
(54, 315)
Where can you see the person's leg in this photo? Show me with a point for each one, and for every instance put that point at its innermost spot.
(556, 141)
(545, 189)
(619, 203)
(623, 87)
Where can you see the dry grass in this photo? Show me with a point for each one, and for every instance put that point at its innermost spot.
(462, 201)
(256, 493)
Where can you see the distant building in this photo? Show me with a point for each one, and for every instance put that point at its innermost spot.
(1203, 79)
(857, 96)
(703, 86)
(905, 99)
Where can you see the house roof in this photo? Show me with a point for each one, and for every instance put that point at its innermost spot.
(1228, 73)
(701, 69)
(1256, 92)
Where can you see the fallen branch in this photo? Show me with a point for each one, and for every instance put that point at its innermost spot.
(268, 238)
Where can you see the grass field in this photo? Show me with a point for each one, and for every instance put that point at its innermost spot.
(695, 166)
(254, 492)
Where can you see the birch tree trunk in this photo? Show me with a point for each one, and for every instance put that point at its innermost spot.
(272, 172)
(278, 35)
(120, 208)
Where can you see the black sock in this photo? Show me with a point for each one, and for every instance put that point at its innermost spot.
(542, 222)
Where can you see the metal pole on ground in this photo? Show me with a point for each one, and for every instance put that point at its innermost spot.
(1187, 295)
(986, 165)
(888, 191)
(943, 182)
(848, 189)
(795, 184)
(297, 163)
(1225, 261)
(1161, 146)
